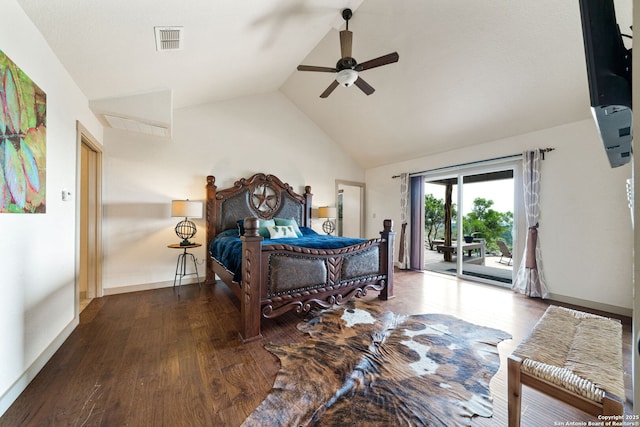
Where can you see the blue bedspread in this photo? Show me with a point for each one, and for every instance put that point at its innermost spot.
(226, 247)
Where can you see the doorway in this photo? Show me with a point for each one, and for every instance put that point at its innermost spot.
(89, 214)
(469, 224)
(350, 208)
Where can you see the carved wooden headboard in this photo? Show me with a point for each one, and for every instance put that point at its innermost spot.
(262, 196)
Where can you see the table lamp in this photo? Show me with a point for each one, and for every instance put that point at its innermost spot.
(186, 229)
(328, 213)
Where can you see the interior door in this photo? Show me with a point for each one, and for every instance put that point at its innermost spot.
(86, 266)
(89, 190)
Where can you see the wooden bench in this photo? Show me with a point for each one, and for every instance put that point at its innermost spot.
(573, 356)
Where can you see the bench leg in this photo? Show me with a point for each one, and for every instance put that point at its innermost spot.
(612, 406)
(514, 390)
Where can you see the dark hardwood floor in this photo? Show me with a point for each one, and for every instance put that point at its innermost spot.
(154, 358)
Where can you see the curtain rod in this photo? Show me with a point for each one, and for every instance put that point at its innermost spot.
(512, 156)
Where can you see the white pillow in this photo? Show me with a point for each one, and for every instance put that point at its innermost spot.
(282, 231)
(292, 222)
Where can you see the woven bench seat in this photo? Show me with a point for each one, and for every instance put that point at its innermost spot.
(573, 356)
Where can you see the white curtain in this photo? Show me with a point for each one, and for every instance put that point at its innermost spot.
(403, 258)
(530, 278)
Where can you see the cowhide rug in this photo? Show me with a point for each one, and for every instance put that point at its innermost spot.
(363, 366)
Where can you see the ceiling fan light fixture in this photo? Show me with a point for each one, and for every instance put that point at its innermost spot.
(346, 77)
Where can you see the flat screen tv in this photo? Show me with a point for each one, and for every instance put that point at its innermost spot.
(609, 74)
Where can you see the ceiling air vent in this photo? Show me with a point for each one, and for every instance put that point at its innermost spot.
(169, 38)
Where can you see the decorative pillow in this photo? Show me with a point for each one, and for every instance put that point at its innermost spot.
(291, 222)
(264, 224)
(282, 231)
(240, 223)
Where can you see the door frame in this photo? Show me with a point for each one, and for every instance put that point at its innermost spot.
(84, 137)
(362, 187)
(519, 221)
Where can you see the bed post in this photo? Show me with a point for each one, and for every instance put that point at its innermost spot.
(210, 277)
(251, 277)
(306, 221)
(387, 258)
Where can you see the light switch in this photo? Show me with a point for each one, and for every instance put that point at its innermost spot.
(66, 195)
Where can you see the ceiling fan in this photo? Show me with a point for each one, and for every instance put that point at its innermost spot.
(347, 68)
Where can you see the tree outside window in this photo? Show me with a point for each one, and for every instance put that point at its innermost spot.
(482, 222)
(434, 218)
(488, 224)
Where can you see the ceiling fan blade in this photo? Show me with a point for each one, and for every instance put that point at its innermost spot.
(314, 68)
(330, 89)
(346, 42)
(364, 86)
(377, 62)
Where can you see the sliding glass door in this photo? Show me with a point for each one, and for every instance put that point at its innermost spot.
(470, 225)
(487, 226)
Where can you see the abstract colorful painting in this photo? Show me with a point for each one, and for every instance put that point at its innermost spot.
(23, 140)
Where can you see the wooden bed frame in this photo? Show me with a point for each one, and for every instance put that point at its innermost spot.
(278, 278)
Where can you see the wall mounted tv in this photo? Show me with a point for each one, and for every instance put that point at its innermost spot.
(609, 74)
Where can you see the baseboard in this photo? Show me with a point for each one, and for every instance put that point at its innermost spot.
(145, 287)
(7, 399)
(614, 309)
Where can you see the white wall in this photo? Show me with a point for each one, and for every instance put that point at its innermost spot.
(37, 308)
(585, 225)
(230, 140)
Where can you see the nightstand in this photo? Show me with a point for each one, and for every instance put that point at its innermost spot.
(181, 265)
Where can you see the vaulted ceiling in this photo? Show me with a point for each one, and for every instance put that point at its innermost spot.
(469, 72)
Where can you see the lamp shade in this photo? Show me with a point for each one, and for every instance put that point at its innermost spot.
(186, 208)
(327, 212)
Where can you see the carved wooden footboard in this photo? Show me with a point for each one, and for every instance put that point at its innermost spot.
(278, 278)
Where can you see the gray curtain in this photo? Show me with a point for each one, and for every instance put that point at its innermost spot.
(416, 261)
(403, 258)
(530, 278)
